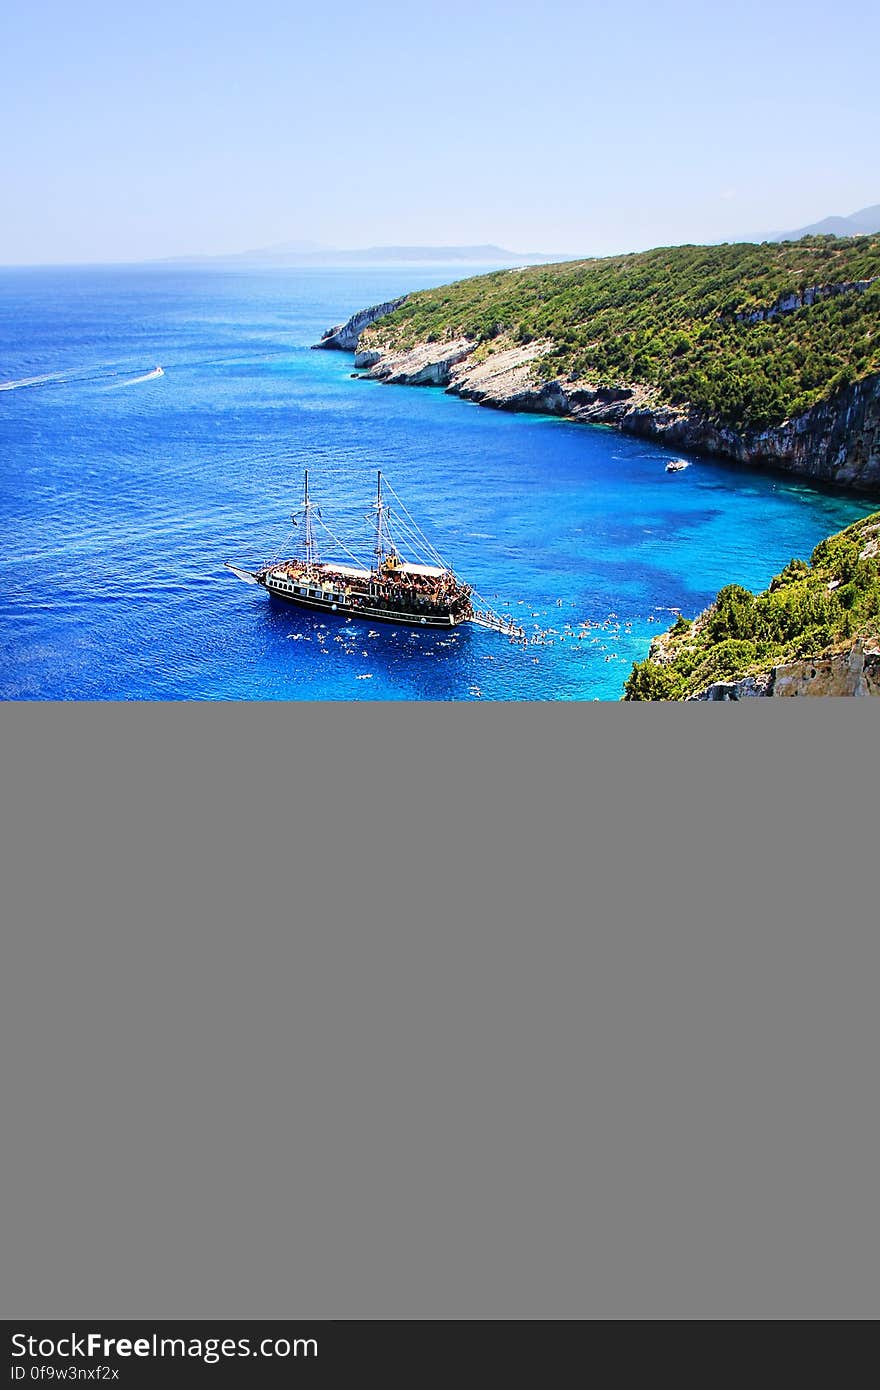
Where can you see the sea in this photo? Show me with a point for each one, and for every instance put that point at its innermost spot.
(123, 491)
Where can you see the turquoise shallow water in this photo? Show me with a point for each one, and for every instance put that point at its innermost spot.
(120, 498)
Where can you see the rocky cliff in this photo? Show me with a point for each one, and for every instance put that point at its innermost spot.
(344, 337)
(836, 441)
(793, 300)
(854, 672)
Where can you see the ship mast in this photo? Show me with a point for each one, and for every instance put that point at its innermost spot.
(311, 547)
(381, 548)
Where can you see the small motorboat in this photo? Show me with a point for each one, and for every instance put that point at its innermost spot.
(677, 465)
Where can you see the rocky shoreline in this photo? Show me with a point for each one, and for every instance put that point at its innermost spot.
(837, 441)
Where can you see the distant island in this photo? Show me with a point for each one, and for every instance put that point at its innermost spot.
(768, 353)
(299, 253)
(814, 631)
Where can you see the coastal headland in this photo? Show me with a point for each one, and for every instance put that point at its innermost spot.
(768, 355)
(814, 631)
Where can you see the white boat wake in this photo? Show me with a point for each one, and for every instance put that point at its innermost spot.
(34, 381)
(136, 380)
(78, 376)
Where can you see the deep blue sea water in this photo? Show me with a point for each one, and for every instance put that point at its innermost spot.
(120, 498)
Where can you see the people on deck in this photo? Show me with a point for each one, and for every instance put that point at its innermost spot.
(403, 591)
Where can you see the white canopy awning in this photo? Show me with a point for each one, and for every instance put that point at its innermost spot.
(430, 571)
(346, 569)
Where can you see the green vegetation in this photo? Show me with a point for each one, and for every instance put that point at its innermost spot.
(668, 319)
(808, 610)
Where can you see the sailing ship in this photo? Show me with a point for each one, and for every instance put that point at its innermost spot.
(388, 588)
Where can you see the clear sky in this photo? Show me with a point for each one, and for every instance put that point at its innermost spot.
(158, 129)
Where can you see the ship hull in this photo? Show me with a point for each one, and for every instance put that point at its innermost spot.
(444, 621)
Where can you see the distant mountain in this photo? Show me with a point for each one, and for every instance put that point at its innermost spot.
(289, 248)
(862, 223)
(284, 253)
(304, 253)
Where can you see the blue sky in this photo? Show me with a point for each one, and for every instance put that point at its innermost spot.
(160, 129)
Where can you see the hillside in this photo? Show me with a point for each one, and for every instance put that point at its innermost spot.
(707, 325)
(815, 630)
(763, 353)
